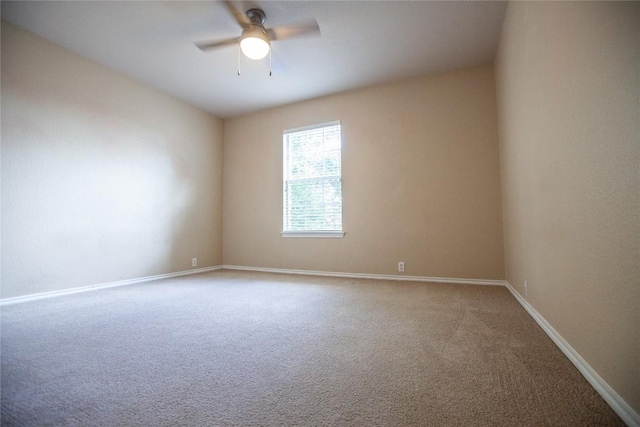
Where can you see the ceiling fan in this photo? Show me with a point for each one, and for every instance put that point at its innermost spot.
(255, 40)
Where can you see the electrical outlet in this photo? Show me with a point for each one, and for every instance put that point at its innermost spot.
(194, 262)
(526, 288)
(401, 266)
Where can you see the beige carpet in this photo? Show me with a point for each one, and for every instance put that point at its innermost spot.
(237, 348)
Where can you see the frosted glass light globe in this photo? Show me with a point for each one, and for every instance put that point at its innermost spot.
(254, 47)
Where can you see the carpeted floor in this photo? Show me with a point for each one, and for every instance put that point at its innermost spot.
(241, 348)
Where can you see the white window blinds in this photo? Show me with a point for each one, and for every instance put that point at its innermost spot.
(312, 199)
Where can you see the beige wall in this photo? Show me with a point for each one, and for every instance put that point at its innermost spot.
(568, 79)
(421, 181)
(103, 179)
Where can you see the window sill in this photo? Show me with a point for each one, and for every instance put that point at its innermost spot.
(314, 234)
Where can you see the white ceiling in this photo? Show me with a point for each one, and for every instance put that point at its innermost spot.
(361, 43)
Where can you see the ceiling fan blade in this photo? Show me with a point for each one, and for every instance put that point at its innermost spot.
(297, 30)
(205, 46)
(240, 17)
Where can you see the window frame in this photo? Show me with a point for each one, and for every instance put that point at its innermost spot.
(285, 180)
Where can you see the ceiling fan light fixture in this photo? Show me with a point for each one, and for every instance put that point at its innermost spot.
(255, 43)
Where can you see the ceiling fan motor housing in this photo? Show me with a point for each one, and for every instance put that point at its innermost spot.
(256, 16)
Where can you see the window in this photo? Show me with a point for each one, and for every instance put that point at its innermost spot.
(312, 188)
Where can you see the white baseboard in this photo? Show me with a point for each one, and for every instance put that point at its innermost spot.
(43, 295)
(624, 411)
(370, 276)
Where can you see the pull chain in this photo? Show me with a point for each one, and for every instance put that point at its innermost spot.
(238, 59)
(270, 61)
